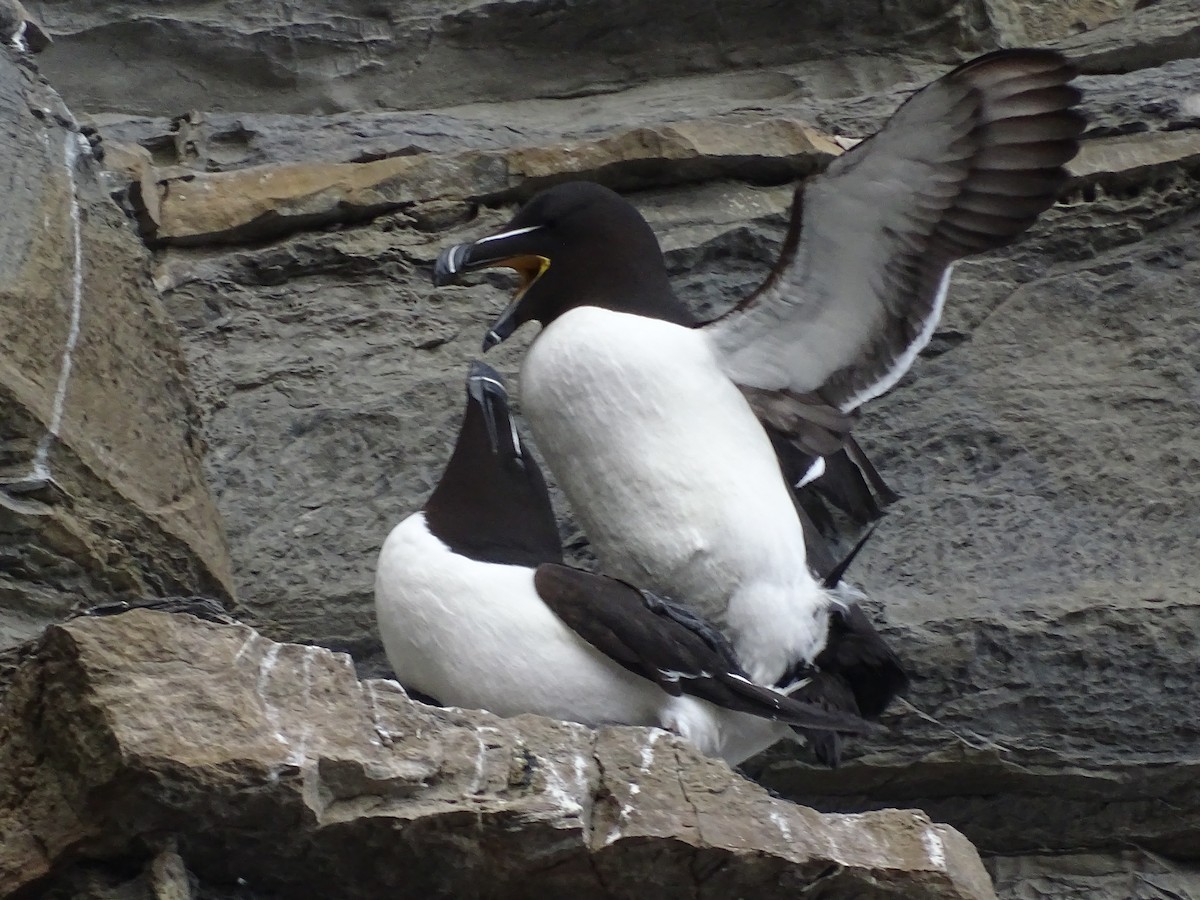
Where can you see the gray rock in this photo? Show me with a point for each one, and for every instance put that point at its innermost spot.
(1150, 34)
(190, 749)
(1045, 457)
(102, 492)
(321, 56)
(186, 208)
(1130, 875)
(19, 30)
(1047, 539)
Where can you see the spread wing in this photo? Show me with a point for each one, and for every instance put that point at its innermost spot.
(679, 651)
(964, 166)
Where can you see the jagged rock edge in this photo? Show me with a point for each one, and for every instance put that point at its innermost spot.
(629, 175)
(624, 175)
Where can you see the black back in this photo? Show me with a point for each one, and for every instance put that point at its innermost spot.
(492, 504)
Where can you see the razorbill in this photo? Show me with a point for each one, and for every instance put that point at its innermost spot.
(661, 433)
(476, 609)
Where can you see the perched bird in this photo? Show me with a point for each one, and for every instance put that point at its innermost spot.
(663, 435)
(20, 30)
(476, 609)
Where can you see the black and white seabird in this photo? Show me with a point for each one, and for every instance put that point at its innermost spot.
(661, 433)
(476, 609)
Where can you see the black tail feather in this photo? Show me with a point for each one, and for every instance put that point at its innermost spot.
(855, 454)
(801, 713)
(848, 495)
(856, 673)
(838, 572)
(857, 653)
(852, 485)
(827, 692)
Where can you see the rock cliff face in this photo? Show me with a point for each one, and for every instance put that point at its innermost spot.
(101, 487)
(1040, 574)
(327, 56)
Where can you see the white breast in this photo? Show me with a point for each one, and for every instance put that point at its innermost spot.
(477, 635)
(673, 479)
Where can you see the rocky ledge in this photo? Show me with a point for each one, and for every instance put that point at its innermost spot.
(155, 754)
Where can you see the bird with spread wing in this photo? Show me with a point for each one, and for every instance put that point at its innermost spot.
(679, 445)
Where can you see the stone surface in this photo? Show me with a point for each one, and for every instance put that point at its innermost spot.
(190, 209)
(357, 302)
(1129, 875)
(1040, 573)
(1151, 34)
(844, 97)
(268, 201)
(1024, 23)
(325, 56)
(183, 746)
(19, 30)
(101, 484)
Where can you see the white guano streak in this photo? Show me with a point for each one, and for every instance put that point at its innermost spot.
(647, 754)
(298, 755)
(478, 778)
(264, 677)
(934, 847)
(781, 823)
(383, 737)
(41, 469)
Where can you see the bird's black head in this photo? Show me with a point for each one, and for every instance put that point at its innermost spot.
(491, 503)
(575, 244)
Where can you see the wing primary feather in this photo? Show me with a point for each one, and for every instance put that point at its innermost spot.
(992, 203)
(1021, 183)
(1028, 81)
(963, 166)
(1034, 128)
(1028, 104)
(988, 224)
(1013, 157)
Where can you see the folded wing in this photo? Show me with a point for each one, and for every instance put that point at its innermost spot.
(665, 643)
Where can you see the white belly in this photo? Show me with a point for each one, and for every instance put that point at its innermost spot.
(673, 479)
(476, 635)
